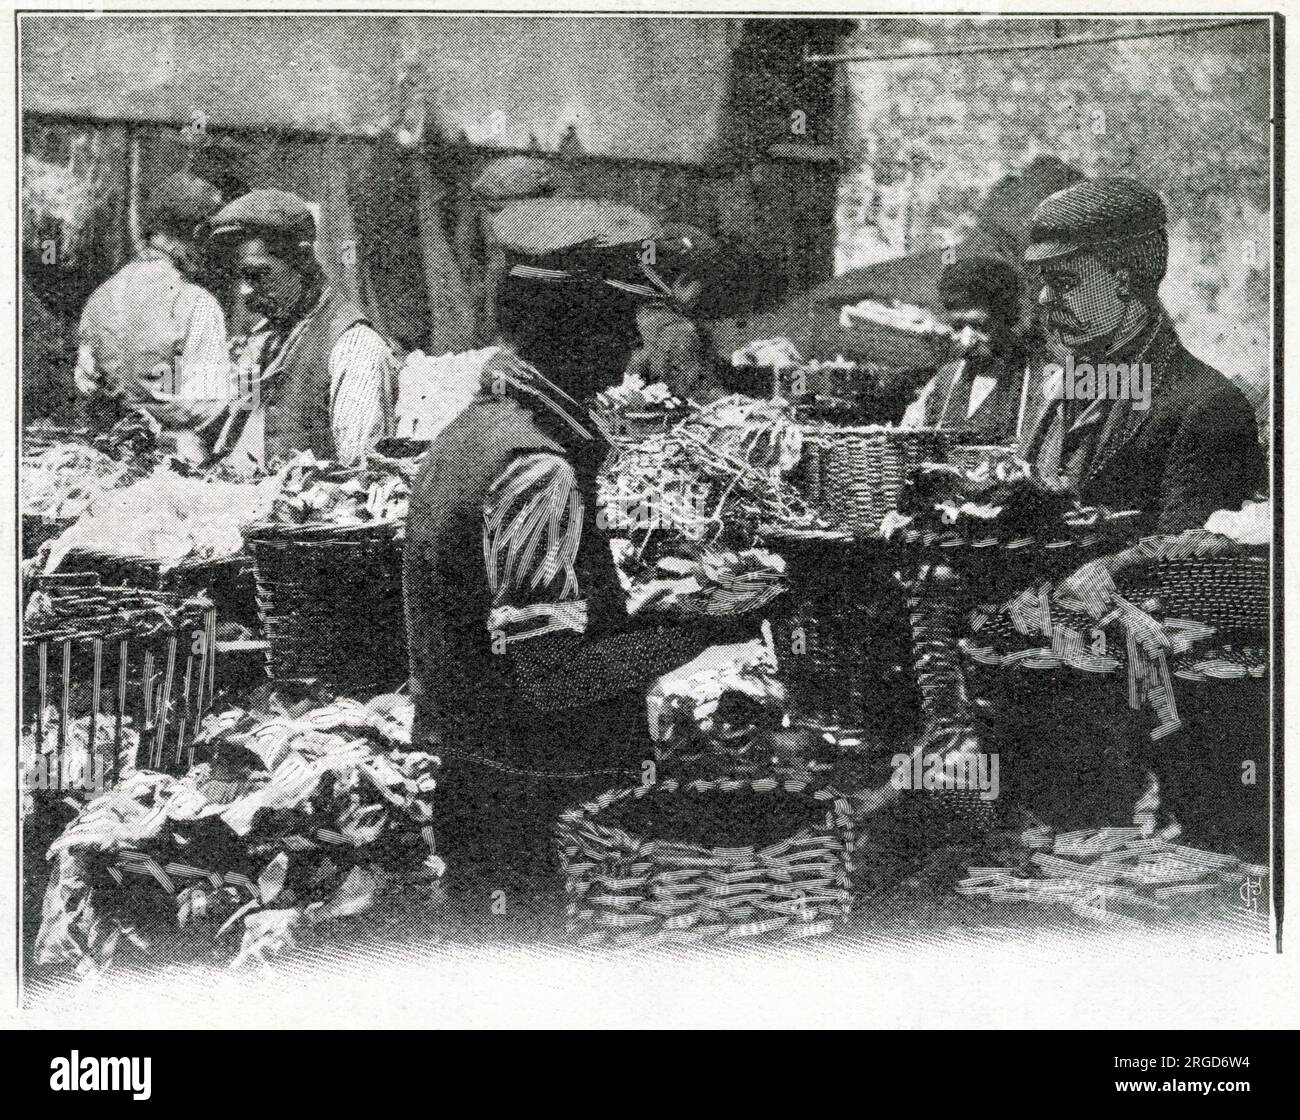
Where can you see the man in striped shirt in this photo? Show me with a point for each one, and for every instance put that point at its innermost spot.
(317, 375)
(529, 668)
(152, 339)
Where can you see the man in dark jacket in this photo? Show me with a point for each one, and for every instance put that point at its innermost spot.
(528, 673)
(986, 388)
(1133, 422)
(1178, 440)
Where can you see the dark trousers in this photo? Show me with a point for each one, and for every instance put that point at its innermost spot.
(1074, 754)
(498, 829)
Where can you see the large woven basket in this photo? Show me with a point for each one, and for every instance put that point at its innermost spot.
(662, 883)
(856, 474)
(228, 580)
(842, 639)
(1231, 592)
(330, 602)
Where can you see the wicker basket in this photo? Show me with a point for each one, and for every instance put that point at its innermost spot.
(227, 581)
(626, 888)
(842, 636)
(330, 602)
(856, 474)
(1231, 592)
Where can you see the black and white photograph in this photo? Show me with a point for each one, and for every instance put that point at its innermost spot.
(521, 493)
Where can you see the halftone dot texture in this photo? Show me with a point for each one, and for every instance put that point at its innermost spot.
(1121, 220)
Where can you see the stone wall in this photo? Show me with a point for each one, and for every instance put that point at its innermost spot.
(1189, 115)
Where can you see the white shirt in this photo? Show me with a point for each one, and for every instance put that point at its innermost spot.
(148, 304)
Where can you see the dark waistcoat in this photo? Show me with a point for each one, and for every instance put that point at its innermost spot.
(465, 698)
(297, 395)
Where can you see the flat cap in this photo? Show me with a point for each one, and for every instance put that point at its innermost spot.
(1091, 214)
(265, 211)
(183, 200)
(542, 227)
(513, 177)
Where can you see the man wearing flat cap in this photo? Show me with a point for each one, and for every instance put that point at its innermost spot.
(529, 674)
(1134, 421)
(322, 377)
(152, 339)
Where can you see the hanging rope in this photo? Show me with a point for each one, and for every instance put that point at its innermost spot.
(1042, 45)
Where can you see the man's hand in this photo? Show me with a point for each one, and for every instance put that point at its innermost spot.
(1093, 588)
(87, 377)
(745, 667)
(173, 411)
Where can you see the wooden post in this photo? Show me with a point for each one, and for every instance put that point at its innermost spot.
(209, 624)
(42, 692)
(160, 731)
(185, 706)
(451, 314)
(65, 711)
(131, 203)
(147, 680)
(95, 685)
(123, 655)
(212, 654)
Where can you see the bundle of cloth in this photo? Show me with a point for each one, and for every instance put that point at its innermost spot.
(291, 821)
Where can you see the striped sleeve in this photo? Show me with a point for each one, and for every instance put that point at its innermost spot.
(531, 532)
(362, 370)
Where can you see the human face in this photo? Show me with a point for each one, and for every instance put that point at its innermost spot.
(1080, 300)
(983, 326)
(272, 285)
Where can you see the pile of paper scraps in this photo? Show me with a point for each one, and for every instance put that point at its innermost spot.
(1113, 875)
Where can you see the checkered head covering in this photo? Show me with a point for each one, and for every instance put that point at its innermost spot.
(1118, 220)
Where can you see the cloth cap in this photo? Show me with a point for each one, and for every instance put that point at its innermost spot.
(183, 201)
(582, 240)
(1094, 214)
(265, 211)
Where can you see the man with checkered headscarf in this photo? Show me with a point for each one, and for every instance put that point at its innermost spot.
(1183, 447)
